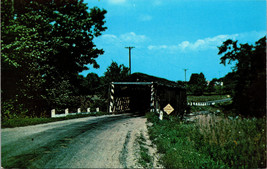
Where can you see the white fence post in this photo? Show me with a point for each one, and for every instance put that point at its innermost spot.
(97, 109)
(88, 110)
(53, 113)
(161, 115)
(79, 110)
(66, 111)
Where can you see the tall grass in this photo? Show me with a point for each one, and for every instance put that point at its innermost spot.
(211, 142)
(238, 142)
(173, 141)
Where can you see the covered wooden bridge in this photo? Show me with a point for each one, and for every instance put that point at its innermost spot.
(143, 93)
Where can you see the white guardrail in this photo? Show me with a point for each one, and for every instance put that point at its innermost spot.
(208, 103)
(53, 112)
(200, 103)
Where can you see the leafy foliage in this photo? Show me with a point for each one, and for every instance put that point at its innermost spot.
(45, 44)
(115, 73)
(197, 84)
(249, 75)
(88, 85)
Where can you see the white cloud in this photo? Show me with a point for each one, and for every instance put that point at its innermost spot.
(132, 37)
(184, 44)
(127, 38)
(116, 1)
(109, 37)
(200, 44)
(210, 42)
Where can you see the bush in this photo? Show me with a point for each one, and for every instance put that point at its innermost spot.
(9, 110)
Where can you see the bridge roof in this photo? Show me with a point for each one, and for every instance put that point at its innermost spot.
(144, 79)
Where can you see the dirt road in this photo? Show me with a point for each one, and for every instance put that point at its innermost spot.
(92, 142)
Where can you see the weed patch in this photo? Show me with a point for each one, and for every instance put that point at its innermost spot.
(210, 142)
(238, 142)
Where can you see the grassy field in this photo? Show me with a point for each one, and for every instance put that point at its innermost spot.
(211, 142)
(19, 122)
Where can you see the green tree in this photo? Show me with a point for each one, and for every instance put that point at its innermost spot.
(250, 69)
(46, 43)
(116, 72)
(88, 85)
(197, 83)
(211, 86)
(229, 82)
(22, 52)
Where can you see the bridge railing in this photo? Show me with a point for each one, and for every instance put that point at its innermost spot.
(53, 112)
(208, 103)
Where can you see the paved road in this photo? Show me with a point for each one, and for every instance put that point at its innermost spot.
(92, 142)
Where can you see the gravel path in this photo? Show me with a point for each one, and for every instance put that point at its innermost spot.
(91, 142)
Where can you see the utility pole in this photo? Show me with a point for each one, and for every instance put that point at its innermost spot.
(185, 74)
(129, 47)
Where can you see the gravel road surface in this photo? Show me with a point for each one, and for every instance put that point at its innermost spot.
(91, 142)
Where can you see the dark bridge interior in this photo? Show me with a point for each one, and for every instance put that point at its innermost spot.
(132, 98)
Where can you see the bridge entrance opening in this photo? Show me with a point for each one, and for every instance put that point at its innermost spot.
(130, 97)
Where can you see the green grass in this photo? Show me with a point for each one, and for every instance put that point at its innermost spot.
(220, 143)
(145, 160)
(19, 122)
(205, 98)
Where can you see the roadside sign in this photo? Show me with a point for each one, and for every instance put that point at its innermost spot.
(168, 109)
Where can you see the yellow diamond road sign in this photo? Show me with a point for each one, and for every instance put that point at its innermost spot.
(168, 109)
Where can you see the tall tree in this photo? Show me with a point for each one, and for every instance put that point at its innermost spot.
(89, 84)
(116, 72)
(197, 83)
(250, 75)
(44, 43)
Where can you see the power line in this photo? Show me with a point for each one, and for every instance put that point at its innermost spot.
(130, 47)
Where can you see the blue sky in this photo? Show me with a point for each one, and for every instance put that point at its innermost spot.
(172, 35)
